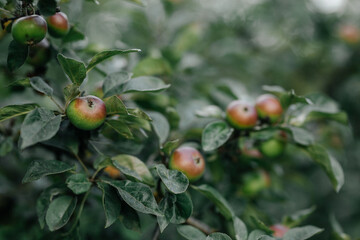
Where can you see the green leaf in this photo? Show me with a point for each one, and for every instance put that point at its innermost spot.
(6, 146)
(302, 233)
(211, 111)
(218, 236)
(175, 181)
(152, 66)
(41, 86)
(287, 98)
(60, 211)
(298, 217)
(176, 208)
(130, 218)
(120, 127)
(161, 126)
(219, 201)
(114, 105)
(24, 82)
(260, 225)
(71, 91)
(111, 203)
(78, 183)
(215, 135)
(102, 56)
(39, 125)
(266, 238)
(47, 7)
(44, 200)
(74, 69)
(138, 196)
(170, 146)
(330, 165)
(256, 235)
(300, 135)
(133, 168)
(113, 83)
(40, 168)
(144, 84)
(190, 233)
(17, 55)
(241, 232)
(11, 111)
(73, 35)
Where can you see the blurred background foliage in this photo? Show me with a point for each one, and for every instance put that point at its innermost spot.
(211, 51)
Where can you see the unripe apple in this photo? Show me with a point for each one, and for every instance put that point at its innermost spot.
(279, 230)
(113, 172)
(29, 29)
(241, 115)
(189, 161)
(86, 113)
(39, 54)
(58, 25)
(269, 108)
(255, 182)
(273, 147)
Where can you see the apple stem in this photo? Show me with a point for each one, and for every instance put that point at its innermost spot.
(200, 225)
(82, 163)
(156, 233)
(57, 104)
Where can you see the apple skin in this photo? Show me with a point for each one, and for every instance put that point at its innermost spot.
(268, 107)
(29, 29)
(349, 34)
(86, 113)
(189, 161)
(272, 148)
(255, 182)
(279, 230)
(241, 115)
(39, 54)
(113, 172)
(58, 25)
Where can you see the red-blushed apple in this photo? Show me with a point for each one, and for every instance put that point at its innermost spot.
(39, 54)
(189, 161)
(113, 172)
(241, 115)
(86, 113)
(29, 29)
(58, 25)
(349, 34)
(279, 230)
(269, 108)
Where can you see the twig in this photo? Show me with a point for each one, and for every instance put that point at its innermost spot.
(200, 225)
(81, 163)
(57, 104)
(156, 233)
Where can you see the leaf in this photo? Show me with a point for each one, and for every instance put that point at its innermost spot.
(41, 86)
(44, 200)
(113, 83)
(176, 208)
(190, 233)
(73, 35)
(102, 56)
(60, 211)
(300, 135)
(111, 203)
(17, 55)
(12, 111)
(71, 91)
(256, 235)
(330, 165)
(24, 82)
(6, 146)
(78, 183)
(133, 168)
(40, 168)
(170, 146)
(47, 7)
(298, 217)
(120, 127)
(144, 84)
(287, 98)
(218, 236)
(114, 105)
(260, 225)
(302, 233)
(161, 126)
(219, 201)
(241, 232)
(129, 217)
(175, 181)
(74, 69)
(138, 196)
(211, 111)
(215, 135)
(152, 66)
(39, 125)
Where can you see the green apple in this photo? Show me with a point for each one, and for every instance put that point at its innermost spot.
(269, 108)
(29, 29)
(189, 161)
(241, 115)
(58, 25)
(255, 182)
(273, 147)
(86, 113)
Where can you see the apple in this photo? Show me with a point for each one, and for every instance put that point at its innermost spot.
(269, 108)
(58, 25)
(39, 54)
(279, 230)
(113, 172)
(241, 115)
(29, 29)
(272, 148)
(349, 34)
(86, 113)
(189, 161)
(254, 182)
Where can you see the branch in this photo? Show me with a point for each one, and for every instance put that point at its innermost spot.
(156, 233)
(200, 225)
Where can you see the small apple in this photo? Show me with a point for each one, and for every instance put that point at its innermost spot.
(86, 113)
(248, 150)
(29, 29)
(279, 230)
(58, 25)
(113, 172)
(39, 54)
(269, 108)
(255, 182)
(189, 161)
(273, 148)
(241, 115)
(349, 34)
